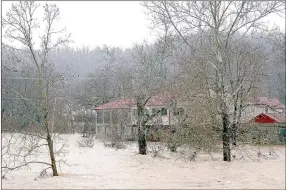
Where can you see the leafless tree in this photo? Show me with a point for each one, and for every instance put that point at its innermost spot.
(21, 150)
(224, 23)
(147, 83)
(21, 25)
(138, 82)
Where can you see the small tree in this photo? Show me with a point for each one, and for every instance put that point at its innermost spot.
(20, 23)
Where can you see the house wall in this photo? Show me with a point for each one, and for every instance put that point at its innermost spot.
(130, 119)
(167, 120)
(252, 111)
(159, 119)
(125, 125)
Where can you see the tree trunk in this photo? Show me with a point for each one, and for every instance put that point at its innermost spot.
(46, 125)
(226, 138)
(52, 155)
(235, 119)
(234, 131)
(142, 144)
(50, 146)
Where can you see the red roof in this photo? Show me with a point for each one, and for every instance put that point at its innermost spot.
(159, 100)
(278, 117)
(119, 103)
(270, 118)
(274, 103)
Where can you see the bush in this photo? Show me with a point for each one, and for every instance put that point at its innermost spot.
(157, 151)
(86, 142)
(114, 140)
(116, 145)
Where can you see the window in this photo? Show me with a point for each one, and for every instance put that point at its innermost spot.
(134, 113)
(99, 118)
(179, 111)
(114, 116)
(146, 111)
(124, 114)
(106, 117)
(283, 132)
(154, 111)
(163, 111)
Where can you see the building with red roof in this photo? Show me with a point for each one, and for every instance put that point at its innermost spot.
(263, 110)
(122, 103)
(123, 112)
(263, 118)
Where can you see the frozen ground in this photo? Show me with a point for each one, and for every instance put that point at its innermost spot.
(101, 167)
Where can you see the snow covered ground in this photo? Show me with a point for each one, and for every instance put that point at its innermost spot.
(102, 167)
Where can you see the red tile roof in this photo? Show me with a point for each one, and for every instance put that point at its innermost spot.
(278, 117)
(274, 103)
(159, 100)
(119, 103)
(269, 118)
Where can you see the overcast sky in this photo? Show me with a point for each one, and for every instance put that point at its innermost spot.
(116, 23)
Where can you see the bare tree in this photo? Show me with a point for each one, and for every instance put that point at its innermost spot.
(224, 23)
(147, 83)
(21, 23)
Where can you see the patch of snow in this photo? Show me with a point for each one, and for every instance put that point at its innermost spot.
(102, 167)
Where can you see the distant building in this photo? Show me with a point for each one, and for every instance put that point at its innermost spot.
(263, 118)
(121, 114)
(266, 120)
(263, 110)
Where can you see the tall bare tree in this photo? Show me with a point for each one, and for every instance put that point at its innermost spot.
(21, 24)
(224, 24)
(147, 83)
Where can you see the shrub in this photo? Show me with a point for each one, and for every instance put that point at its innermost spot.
(86, 142)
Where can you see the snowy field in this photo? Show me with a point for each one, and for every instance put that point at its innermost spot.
(102, 167)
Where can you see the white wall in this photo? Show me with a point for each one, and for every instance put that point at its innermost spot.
(252, 111)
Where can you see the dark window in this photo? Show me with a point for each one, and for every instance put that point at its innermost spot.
(283, 132)
(155, 111)
(106, 116)
(99, 118)
(163, 111)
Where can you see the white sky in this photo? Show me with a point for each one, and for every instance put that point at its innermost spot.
(116, 23)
